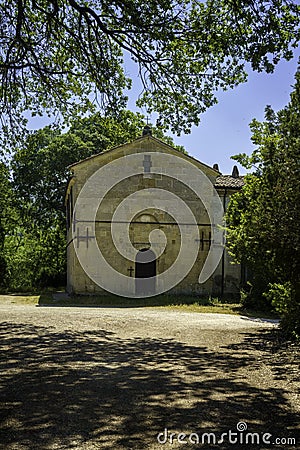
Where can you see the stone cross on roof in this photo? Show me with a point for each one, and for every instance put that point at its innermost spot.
(147, 131)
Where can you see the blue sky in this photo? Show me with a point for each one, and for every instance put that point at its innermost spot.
(224, 129)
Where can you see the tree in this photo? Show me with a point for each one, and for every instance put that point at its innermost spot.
(35, 247)
(264, 217)
(56, 54)
(5, 200)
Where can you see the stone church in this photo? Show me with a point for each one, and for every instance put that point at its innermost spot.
(140, 223)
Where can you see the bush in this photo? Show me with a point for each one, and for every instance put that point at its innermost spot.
(286, 300)
(252, 297)
(279, 295)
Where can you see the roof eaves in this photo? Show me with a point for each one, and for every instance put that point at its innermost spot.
(140, 139)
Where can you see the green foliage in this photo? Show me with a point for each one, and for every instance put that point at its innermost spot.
(263, 219)
(251, 295)
(280, 296)
(29, 254)
(5, 216)
(68, 56)
(285, 299)
(35, 258)
(291, 317)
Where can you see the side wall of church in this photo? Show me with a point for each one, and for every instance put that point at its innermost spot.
(225, 279)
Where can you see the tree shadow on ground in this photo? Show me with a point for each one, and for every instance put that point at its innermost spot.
(281, 355)
(88, 390)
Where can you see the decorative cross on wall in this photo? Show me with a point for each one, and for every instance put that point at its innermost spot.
(204, 241)
(87, 237)
(130, 270)
(147, 163)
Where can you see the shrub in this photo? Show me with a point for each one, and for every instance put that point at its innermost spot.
(286, 300)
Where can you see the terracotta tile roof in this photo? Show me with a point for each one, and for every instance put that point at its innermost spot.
(228, 181)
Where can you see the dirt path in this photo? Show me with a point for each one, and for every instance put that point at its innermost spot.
(112, 378)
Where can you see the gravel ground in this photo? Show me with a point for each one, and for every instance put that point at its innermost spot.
(114, 378)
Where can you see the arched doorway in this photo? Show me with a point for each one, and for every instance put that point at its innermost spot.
(145, 272)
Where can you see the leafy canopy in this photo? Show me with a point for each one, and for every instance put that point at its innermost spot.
(67, 56)
(263, 219)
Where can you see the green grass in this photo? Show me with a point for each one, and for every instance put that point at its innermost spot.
(164, 302)
(170, 302)
(20, 299)
(123, 302)
(221, 308)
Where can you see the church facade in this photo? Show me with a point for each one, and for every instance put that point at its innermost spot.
(139, 223)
